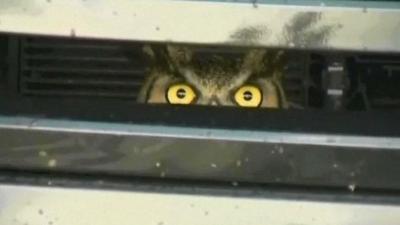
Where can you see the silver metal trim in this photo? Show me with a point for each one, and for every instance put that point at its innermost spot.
(43, 205)
(24, 123)
(352, 26)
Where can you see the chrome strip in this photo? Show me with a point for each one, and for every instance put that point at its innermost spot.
(361, 26)
(24, 123)
(61, 206)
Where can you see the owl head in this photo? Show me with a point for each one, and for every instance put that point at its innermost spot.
(218, 77)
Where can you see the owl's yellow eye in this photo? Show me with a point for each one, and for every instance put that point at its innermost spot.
(248, 96)
(180, 94)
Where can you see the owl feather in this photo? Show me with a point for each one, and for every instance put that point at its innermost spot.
(211, 73)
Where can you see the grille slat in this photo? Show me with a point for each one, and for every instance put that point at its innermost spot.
(79, 71)
(378, 59)
(84, 82)
(71, 46)
(80, 93)
(293, 80)
(69, 67)
(76, 58)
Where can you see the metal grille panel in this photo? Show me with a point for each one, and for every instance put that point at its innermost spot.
(80, 68)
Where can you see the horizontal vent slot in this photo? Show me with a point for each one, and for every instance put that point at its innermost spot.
(378, 59)
(69, 67)
(294, 80)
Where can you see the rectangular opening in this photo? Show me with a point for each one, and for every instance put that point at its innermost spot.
(39, 69)
(63, 68)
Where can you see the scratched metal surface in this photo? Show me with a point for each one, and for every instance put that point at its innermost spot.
(364, 26)
(236, 156)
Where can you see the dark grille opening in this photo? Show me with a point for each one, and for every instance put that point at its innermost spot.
(110, 69)
(80, 68)
(295, 80)
(69, 67)
(375, 81)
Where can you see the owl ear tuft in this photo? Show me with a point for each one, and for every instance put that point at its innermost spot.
(179, 54)
(253, 61)
(148, 51)
(258, 61)
(157, 55)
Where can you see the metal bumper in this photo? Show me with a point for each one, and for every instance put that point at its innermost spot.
(64, 206)
(340, 25)
(307, 158)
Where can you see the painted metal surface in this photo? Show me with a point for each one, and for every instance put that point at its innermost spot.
(21, 205)
(120, 129)
(200, 154)
(359, 26)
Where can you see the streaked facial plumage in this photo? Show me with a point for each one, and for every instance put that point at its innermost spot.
(246, 78)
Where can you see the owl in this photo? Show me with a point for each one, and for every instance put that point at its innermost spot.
(184, 75)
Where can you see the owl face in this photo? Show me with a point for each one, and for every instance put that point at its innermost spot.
(184, 76)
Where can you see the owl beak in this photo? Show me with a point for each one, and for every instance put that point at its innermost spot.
(214, 102)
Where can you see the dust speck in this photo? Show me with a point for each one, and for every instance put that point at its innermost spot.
(335, 165)
(48, 1)
(158, 164)
(160, 223)
(157, 28)
(42, 153)
(206, 213)
(52, 163)
(115, 13)
(72, 33)
(352, 187)
(213, 165)
(40, 212)
(162, 174)
(238, 163)
(235, 184)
